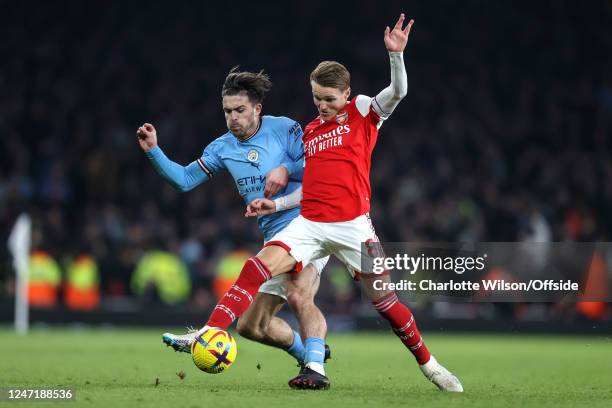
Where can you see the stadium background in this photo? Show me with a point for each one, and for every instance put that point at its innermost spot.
(504, 136)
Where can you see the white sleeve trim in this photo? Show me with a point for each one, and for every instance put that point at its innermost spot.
(289, 201)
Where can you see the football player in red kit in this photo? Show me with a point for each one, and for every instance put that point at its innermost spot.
(335, 203)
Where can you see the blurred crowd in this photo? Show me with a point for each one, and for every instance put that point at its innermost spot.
(505, 134)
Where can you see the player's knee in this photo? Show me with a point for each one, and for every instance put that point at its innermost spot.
(299, 299)
(380, 295)
(373, 288)
(249, 329)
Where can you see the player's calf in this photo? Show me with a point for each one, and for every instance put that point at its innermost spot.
(404, 326)
(260, 323)
(300, 297)
(255, 323)
(240, 296)
(250, 330)
(271, 261)
(301, 291)
(398, 315)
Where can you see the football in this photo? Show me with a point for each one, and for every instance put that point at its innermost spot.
(214, 350)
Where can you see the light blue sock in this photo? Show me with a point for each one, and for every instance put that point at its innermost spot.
(315, 351)
(297, 348)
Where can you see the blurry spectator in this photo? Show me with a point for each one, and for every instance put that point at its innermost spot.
(162, 275)
(44, 280)
(82, 284)
(228, 270)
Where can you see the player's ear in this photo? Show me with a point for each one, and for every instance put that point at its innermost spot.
(257, 109)
(347, 93)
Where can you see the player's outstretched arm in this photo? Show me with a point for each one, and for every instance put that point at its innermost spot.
(395, 42)
(183, 178)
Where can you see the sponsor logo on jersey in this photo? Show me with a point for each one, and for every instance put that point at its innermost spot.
(250, 180)
(332, 138)
(251, 184)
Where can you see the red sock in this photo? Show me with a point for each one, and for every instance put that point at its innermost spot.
(403, 324)
(238, 299)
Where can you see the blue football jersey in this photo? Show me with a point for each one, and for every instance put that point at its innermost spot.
(278, 141)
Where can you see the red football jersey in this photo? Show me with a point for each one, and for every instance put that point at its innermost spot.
(336, 183)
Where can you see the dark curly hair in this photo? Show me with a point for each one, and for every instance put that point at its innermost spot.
(255, 84)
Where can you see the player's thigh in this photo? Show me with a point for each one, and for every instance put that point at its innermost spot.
(276, 286)
(355, 244)
(295, 245)
(277, 259)
(305, 284)
(260, 312)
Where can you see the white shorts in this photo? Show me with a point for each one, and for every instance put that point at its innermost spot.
(276, 285)
(308, 240)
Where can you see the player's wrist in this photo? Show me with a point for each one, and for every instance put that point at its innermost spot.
(280, 204)
(153, 151)
(287, 167)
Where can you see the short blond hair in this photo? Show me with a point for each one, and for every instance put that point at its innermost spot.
(331, 74)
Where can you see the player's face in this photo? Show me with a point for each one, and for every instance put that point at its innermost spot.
(241, 115)
(329, 101)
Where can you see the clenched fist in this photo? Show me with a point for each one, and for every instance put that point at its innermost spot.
(260, 206)
(147, 137)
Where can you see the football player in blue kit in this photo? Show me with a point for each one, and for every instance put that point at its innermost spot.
(265, 156)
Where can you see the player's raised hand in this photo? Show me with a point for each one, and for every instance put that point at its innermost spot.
(396, 39)
(276, 180)
(147, 136)
(260, 206)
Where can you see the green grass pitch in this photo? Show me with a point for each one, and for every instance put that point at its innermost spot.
(116, 368)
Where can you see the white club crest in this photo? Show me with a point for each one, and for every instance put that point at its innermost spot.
(252, 156)
(342, 118)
